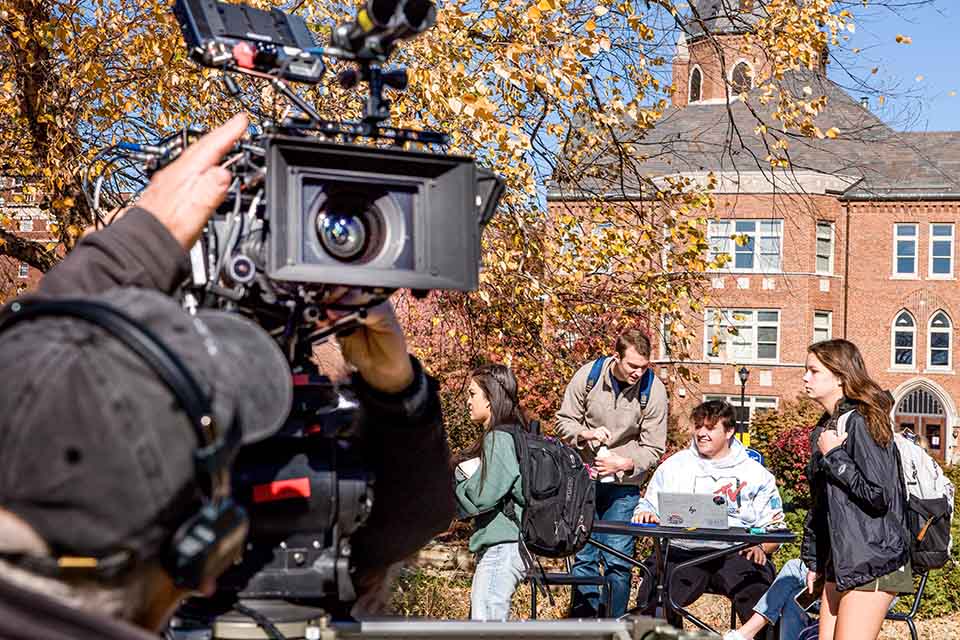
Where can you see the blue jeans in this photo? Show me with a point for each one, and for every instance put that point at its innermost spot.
(498, 573)
(778, 603)
(614, 502)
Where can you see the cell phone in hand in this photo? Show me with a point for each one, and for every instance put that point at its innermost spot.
(806, 600)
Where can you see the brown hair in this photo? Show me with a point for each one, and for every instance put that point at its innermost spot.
(499, 385)
(843, 359)
(633, 338)
(712, 411)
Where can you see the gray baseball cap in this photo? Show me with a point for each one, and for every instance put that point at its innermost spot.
(95, 452)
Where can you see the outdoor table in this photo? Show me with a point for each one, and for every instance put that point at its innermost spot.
(739, 537)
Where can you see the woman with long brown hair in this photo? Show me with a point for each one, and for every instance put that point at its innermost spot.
(491, 489)
(855, 537)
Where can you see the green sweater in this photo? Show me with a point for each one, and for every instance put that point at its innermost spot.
(502, 479)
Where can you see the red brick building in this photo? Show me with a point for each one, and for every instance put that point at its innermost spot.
(857, 239)
(21, 215)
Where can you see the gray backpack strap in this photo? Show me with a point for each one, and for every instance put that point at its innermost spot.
(842, 423)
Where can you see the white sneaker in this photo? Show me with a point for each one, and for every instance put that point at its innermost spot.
(733, 634)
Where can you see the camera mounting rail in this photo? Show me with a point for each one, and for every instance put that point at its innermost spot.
(279, 47)
(376, 108)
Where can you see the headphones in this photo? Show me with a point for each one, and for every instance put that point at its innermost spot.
(211, 539)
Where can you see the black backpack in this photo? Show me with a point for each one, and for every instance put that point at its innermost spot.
(929, 505)
(559, 495)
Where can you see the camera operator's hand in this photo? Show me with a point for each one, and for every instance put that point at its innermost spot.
(185, 194)
(378, 348)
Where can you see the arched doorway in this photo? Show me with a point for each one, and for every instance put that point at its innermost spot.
(922, 412)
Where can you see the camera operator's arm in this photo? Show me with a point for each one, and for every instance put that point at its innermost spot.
(405, 441)
(147, 247)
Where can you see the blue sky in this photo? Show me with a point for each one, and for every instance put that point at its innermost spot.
(921, 80)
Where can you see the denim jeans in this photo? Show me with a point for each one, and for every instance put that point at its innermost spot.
(498, 573)
(614, 502)
(778, 603)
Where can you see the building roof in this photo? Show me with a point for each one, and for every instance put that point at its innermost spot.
(722, 17)
(868, 159)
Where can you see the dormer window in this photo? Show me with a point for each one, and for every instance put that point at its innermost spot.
(741, 79)
(696, 79)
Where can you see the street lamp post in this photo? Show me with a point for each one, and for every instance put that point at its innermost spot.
(743, 373)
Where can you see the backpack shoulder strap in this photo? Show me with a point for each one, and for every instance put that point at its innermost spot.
(595, 372)
(646, 384)
(520, 448)
(842, 422)
(592, 380)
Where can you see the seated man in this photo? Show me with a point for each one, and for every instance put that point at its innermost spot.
(716, 464)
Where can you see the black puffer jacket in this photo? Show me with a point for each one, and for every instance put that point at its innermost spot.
(857, 519)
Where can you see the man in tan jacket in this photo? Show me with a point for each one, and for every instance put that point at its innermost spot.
(615, 412)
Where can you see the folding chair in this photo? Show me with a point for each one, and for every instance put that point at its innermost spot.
(544, 579)
(908, 617)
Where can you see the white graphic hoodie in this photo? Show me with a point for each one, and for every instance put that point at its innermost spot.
(750, 490)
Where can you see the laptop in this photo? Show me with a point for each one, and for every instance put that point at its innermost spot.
(699, 510)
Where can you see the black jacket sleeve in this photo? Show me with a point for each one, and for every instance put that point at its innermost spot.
(858, 466)
(413, 496)
(808, 546)
(136, 250)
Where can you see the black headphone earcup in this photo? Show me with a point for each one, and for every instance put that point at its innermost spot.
(207, 544)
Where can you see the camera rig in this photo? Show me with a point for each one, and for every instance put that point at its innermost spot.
(310, 207)
(314, 206)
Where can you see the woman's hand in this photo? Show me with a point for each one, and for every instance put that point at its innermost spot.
(811, 580)
(645, 517)
(829, 440)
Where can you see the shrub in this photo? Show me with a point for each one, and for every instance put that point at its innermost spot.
(766, 426)
(783, 437)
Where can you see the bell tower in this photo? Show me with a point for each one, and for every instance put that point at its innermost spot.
(713, 60)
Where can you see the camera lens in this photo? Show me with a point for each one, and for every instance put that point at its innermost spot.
(349, 226)
(343, 236)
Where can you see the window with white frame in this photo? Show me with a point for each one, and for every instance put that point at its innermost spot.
(822, 325)
(742, 335)
(601, 232)
(568, 338)
(904, 340)
(905, 249)
(825, 247)
(940, 341)
(665, 335)
(26, 224)
(752, 246)
(24, 271)
(941, 250)
(752, 405)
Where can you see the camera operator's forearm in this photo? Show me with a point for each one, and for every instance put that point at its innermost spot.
(414, 490)
(136, 250)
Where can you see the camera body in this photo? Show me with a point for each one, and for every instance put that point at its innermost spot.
(307, 490)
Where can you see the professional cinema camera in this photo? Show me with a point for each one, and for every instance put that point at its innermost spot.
(314, 205)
